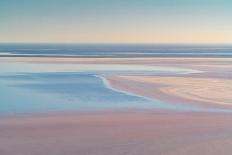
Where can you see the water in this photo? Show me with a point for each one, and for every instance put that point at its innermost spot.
(35, 88)
(45, 92)
(117, 50)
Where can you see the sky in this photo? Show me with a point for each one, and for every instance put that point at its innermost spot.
(116, 21)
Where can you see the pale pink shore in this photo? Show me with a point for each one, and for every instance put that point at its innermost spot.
(213, 66)
(190, 62)
(208, 92)
(117, 133)
(208, 63)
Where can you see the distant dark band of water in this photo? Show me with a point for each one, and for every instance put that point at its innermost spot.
(115, 50)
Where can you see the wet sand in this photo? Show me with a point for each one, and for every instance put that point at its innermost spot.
(209, 92)
(183, 61)
(133, 132)
(117, 133)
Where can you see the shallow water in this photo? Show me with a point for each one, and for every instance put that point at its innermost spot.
(42, 92)
(30, 88)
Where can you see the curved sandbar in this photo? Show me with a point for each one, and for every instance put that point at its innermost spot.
(202, 91)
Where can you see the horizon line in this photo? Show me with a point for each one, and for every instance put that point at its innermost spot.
(126, 43)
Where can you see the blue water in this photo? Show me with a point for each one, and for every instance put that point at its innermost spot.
(36, 88)
(118, 50)
(46, 92)
(42, 92)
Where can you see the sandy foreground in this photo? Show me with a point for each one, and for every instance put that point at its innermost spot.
(117, 133)
(133, 132)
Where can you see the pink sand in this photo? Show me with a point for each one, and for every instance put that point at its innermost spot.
(114, 133)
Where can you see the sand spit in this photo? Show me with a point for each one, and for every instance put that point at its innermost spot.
(208, 91)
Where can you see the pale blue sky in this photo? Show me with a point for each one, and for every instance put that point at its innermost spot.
(116, 21)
